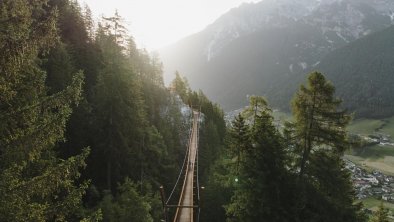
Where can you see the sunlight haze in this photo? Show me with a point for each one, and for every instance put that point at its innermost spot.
(197, 110)
(155, 24)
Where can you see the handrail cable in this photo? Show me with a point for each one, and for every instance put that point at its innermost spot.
(198, 183)
(187, 167)
(183, 165)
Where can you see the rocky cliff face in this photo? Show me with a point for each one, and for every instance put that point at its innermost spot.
(338, 20)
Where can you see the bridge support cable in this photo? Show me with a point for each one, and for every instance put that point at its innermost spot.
(191, 158)
(187, 196)
(197, 180)
(185, 160)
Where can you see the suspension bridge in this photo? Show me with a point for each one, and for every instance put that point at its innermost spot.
(187, 208)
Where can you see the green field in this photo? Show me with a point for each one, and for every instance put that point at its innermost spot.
(388, 127)
(373, 157)
(373, 126)
(373, 152)
(365, 126)
(385, 164)
(372, 203)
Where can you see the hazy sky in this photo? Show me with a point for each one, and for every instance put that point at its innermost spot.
(157, 23)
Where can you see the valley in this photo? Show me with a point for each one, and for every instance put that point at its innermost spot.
(372, 165)
(378, 153)
(268, 48)
(374, 161)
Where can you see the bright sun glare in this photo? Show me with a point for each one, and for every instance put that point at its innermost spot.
(157, 23)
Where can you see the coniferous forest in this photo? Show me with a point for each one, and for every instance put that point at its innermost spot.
(89, 132)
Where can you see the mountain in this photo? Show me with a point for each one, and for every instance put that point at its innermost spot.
(363, 73)
(258, 47)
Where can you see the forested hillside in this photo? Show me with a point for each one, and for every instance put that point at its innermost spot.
(361, 71)
(88, 130)
(363, 74)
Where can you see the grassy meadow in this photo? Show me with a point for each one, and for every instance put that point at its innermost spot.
(372, 204)
(375, 156)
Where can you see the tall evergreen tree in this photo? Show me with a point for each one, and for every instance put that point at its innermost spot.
(181, 86)
(318, 121)
(76, 51)
(127, 205)
(59, 68)
(264, 191)
(334, 195)
(319, 140)
(118, 113)
(239, 139)
(35, 185)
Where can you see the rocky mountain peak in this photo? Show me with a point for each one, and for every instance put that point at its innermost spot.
(340, 20)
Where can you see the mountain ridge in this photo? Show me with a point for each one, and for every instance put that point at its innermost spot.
(255, 47)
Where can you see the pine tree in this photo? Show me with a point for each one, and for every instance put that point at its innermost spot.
(319, 138)
(334, 189)
(239, 139)
(59, 68)
(181, 87)
(263, 192)
(76, 50)
(88, 21)
(35, 185)
(257, 104)
(128, 205)
(119, 114)
(114, 28)
(318, 121)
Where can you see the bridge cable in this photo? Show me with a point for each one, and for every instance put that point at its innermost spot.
(183, 165)
(198, 183)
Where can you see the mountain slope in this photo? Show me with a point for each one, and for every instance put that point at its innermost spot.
(255, 48)
(363, 73)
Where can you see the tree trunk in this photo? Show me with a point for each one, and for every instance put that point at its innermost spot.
(308, 138)
(109, 175)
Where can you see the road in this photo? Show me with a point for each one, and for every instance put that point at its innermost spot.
(186, 198)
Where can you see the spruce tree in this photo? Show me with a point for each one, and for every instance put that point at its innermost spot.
(263, 191)
(181, 87)
(239, 139)
(119, 114)
(127, 205)
(333, 185)
(35, 185)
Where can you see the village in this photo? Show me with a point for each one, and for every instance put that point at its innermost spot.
(374, 184)
(366, 183)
